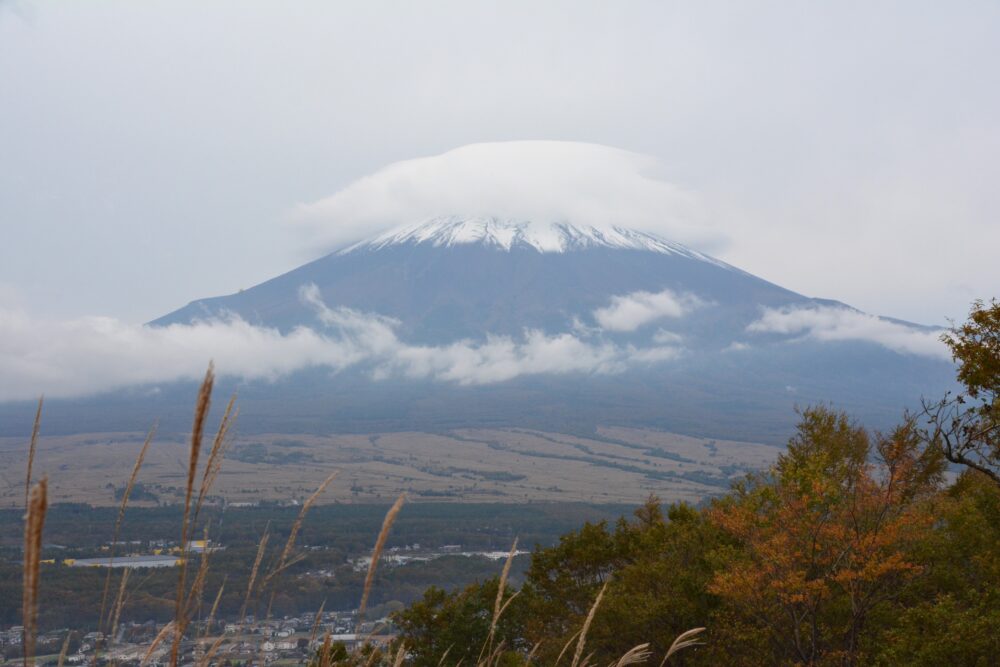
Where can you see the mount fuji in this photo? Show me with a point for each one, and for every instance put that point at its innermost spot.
(452, 278)
(505, 321)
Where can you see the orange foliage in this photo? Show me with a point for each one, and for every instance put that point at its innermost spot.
(820, 547)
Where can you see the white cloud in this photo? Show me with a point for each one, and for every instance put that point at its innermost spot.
(665, 337)
(631, 311)
(502, 358)
(832, 324)
(652, 355)
(539, 181)
(93, 354)
(85, 355)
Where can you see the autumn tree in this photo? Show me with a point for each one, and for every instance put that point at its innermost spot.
(966, 425)
(821, 542)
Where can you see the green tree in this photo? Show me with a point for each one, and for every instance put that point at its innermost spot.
(951, 615)
(657, 569)
(662, 591)
(454, 627)
(336, 654)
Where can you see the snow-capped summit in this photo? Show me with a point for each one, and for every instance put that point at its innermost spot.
(705, 342)
(506, 234)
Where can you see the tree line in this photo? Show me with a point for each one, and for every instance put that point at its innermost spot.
(855, 548)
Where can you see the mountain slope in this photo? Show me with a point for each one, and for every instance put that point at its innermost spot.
(450, 279)
(707, 348)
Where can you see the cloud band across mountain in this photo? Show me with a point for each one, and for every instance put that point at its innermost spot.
(846, 324)
(95, 354)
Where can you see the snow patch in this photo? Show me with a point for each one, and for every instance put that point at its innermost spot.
(545, 237)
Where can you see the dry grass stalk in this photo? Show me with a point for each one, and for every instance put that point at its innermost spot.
(215, 456)
(210, 653)
(31, 449)
(634, 656)
(533, 651)
(566, 646)
(283, 563)
(390, 518)
(507, 603)
(131, 480)
(253, 572)
(489, 639)
(289, 563)
(290, 544)
(37, 505)
(64, 650)
(324, 652)
(121, 515)
(197, 431)
(215, 605)
(498, 605)
(503, 580)
(444, 655)
(316, 621)
(683, 641)
(400, 656)
(167, 629)
(495, 654)
(586, 626)
(375, 630)
(119, 603)
(194, 596)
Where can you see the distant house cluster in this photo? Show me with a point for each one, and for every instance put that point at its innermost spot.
(292, 639)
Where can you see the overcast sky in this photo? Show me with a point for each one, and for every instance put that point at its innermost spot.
(153, 153)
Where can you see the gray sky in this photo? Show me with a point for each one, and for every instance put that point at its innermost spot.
(153, 153)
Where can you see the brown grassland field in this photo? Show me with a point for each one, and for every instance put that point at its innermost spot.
(618, 465)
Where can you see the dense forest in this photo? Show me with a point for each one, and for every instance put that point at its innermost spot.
(347, 527)
(855, 548)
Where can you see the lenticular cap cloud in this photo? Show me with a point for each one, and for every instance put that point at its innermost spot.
(538, 181)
